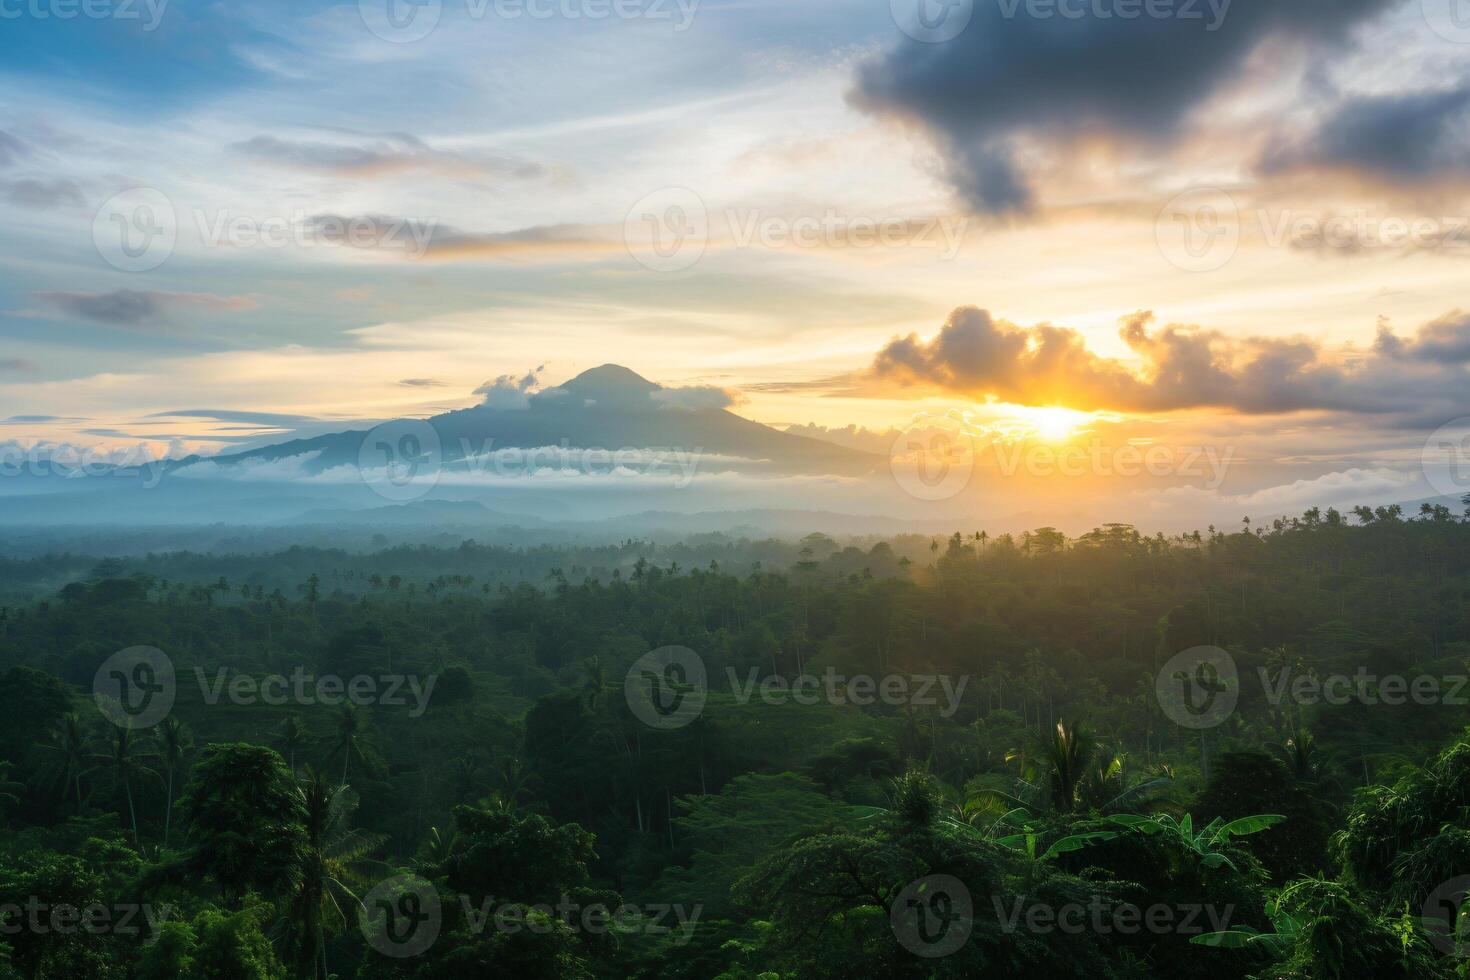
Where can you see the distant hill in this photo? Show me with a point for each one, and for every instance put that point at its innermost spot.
(608, 407)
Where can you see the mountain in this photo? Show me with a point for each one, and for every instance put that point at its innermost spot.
(609, 408)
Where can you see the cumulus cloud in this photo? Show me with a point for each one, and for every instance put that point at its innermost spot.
(696, 398)
(1181, 367)
(140, 308)
(849, 436)
(287, 468)
(1342, 488)
(509, 392)
(1442, 341)
(1011, 80)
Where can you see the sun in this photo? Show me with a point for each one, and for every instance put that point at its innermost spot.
(1053, 423)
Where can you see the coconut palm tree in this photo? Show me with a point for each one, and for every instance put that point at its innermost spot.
(68, 745)
(332, 870)
(9, 791)
(124, 755)
(175, 741)
(292, 737)
(348, 735)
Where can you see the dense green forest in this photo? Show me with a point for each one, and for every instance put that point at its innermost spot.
(920, 758)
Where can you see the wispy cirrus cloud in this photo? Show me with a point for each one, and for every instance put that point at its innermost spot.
(141, 309)
(43, 194)
(354, 154)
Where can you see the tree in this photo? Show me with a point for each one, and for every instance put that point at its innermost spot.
(174, 743)
(330, 875)
(124, 755)
(246, 821)
(291, 738)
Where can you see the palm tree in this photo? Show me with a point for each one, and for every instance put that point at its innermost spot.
(1067, 754)
(330, 870)
(176, 742)
(514, 779)
(291, 738)
(595, 681)
(349, 732)
(69, 745)
(9, 791)
(1300, 754)
(123, 757)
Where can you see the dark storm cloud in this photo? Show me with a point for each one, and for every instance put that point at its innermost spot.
(1011, 76)
(1412, 136)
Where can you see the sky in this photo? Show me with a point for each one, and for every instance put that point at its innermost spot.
(1242, 225)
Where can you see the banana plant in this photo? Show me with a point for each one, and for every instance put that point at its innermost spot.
(1207, 842)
